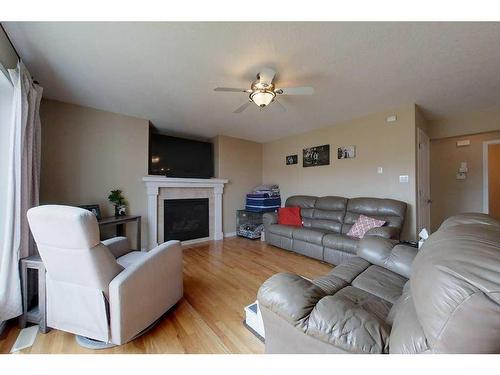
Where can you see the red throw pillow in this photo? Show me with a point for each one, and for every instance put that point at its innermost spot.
(290, 216)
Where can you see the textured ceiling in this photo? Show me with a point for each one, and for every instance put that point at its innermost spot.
(166, 72)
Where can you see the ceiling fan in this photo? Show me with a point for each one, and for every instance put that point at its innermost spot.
(264, 92)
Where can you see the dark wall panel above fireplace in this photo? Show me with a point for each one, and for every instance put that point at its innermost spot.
(185, 219)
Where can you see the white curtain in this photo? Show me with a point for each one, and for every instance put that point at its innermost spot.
(23, 180)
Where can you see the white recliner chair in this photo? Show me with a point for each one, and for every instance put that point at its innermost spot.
(102, 290)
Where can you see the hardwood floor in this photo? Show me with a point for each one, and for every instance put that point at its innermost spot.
(220, 278)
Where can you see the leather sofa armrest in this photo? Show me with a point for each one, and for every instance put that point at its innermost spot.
(270, 218)
(290, 296)
(385, 232)
(388, 254)
(118, 246)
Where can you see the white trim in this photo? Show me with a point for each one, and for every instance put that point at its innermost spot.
(230, 234)
(175, 182)
(486, 203)
(423, 182)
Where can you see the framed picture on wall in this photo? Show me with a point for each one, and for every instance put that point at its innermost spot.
(291, 159)
(316, 156)
(94, 208)
(346, 152)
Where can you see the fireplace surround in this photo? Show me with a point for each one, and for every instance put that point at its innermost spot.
(161, 188)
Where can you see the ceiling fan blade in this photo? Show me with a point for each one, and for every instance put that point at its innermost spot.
(242, 107)
(266, 75)
(280, 106)
(229, 89)
(295, 91)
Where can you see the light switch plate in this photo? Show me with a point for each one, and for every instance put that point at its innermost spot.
(403, 179)
(392, 118)
(380, 170)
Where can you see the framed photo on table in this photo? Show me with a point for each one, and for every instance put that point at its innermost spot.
(94, 208)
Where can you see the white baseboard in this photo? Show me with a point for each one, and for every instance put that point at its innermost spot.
(231, 234)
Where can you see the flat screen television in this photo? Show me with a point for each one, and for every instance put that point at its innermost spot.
(180, 157)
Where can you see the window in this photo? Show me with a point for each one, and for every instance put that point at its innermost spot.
(6, 93)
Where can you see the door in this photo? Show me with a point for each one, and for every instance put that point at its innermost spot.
(493, 187)
(423, 181)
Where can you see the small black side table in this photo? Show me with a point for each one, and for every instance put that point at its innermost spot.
(119, 221)
(37, 314)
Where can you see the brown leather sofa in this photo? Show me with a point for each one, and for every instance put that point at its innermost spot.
(450, 304)
(326, 220)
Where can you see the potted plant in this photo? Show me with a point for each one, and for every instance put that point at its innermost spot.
(118, 200)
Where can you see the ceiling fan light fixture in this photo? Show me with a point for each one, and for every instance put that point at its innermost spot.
(262, 98)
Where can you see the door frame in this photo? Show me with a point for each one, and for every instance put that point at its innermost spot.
(486, 198)
(421, 158)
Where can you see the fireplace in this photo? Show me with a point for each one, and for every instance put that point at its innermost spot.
(185, 219)
(161, 188)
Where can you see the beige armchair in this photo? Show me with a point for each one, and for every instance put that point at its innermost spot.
(102, 290)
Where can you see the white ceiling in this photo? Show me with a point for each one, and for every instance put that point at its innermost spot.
(166, 72)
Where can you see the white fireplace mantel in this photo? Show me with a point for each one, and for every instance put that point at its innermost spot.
(155, 183)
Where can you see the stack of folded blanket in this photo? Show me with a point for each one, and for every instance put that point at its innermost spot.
(264, 198)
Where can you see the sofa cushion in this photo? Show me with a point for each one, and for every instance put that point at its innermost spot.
(327, 214)
(322, 225)
(308, 235)
(407, 335)
(330, 284)
(381, 282)
(390, 210)
(331, 203)
(282, 230)
(455, 286)
(469, 218)
(302, 201)
(386, 253)
(340, 242)
(289, 216)
(290, 296)
(352, 320)
(349, 270)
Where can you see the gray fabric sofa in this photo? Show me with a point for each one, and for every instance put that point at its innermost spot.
(443, 298)
(326, 220)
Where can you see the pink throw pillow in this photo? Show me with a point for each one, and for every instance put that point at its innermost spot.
(363, 225)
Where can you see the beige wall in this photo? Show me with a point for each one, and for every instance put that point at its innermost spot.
(88, 152)
(449, 195)
(239, 161)
(469, 123)
(378, 144)
(8, 57)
